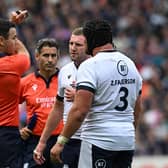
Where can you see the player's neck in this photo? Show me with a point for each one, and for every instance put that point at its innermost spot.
(105, 47)
(78, 62)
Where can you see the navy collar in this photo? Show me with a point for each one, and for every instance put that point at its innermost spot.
(112, 50)
(37, 74)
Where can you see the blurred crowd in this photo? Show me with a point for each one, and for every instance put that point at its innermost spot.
(140, 29)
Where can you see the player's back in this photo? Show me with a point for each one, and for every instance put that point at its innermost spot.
(116, 83)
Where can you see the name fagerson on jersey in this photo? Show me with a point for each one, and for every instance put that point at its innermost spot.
(122, 82)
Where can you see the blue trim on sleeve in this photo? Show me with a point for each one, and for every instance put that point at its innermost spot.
(60, 98)
(85, 88)
(140, 92)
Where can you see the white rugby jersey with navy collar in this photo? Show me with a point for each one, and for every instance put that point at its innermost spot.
(116, 84)
(67, 78)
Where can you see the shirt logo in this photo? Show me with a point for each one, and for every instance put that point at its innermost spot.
(34, 87)
(122, 68)
(69, 76)
(45, 102)
(100, 163)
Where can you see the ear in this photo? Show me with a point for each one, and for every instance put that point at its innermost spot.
(37, 55)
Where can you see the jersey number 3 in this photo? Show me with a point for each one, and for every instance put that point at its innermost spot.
(123, 99)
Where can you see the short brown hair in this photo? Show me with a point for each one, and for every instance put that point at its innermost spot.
(50, 42)
(78, 31)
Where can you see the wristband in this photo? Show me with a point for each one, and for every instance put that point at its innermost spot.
(62, 140)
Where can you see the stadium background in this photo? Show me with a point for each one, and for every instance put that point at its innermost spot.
(140, 29)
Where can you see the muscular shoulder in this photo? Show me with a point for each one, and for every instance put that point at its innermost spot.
(67, 67)
(28, 78)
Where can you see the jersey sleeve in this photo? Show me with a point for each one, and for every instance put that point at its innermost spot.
(86, 77)
(60, 92)
(22, 63)
(139, 83)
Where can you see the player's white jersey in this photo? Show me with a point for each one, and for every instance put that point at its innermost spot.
(67, 78)
(116, 83)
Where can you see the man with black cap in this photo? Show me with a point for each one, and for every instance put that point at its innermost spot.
(108, 98)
